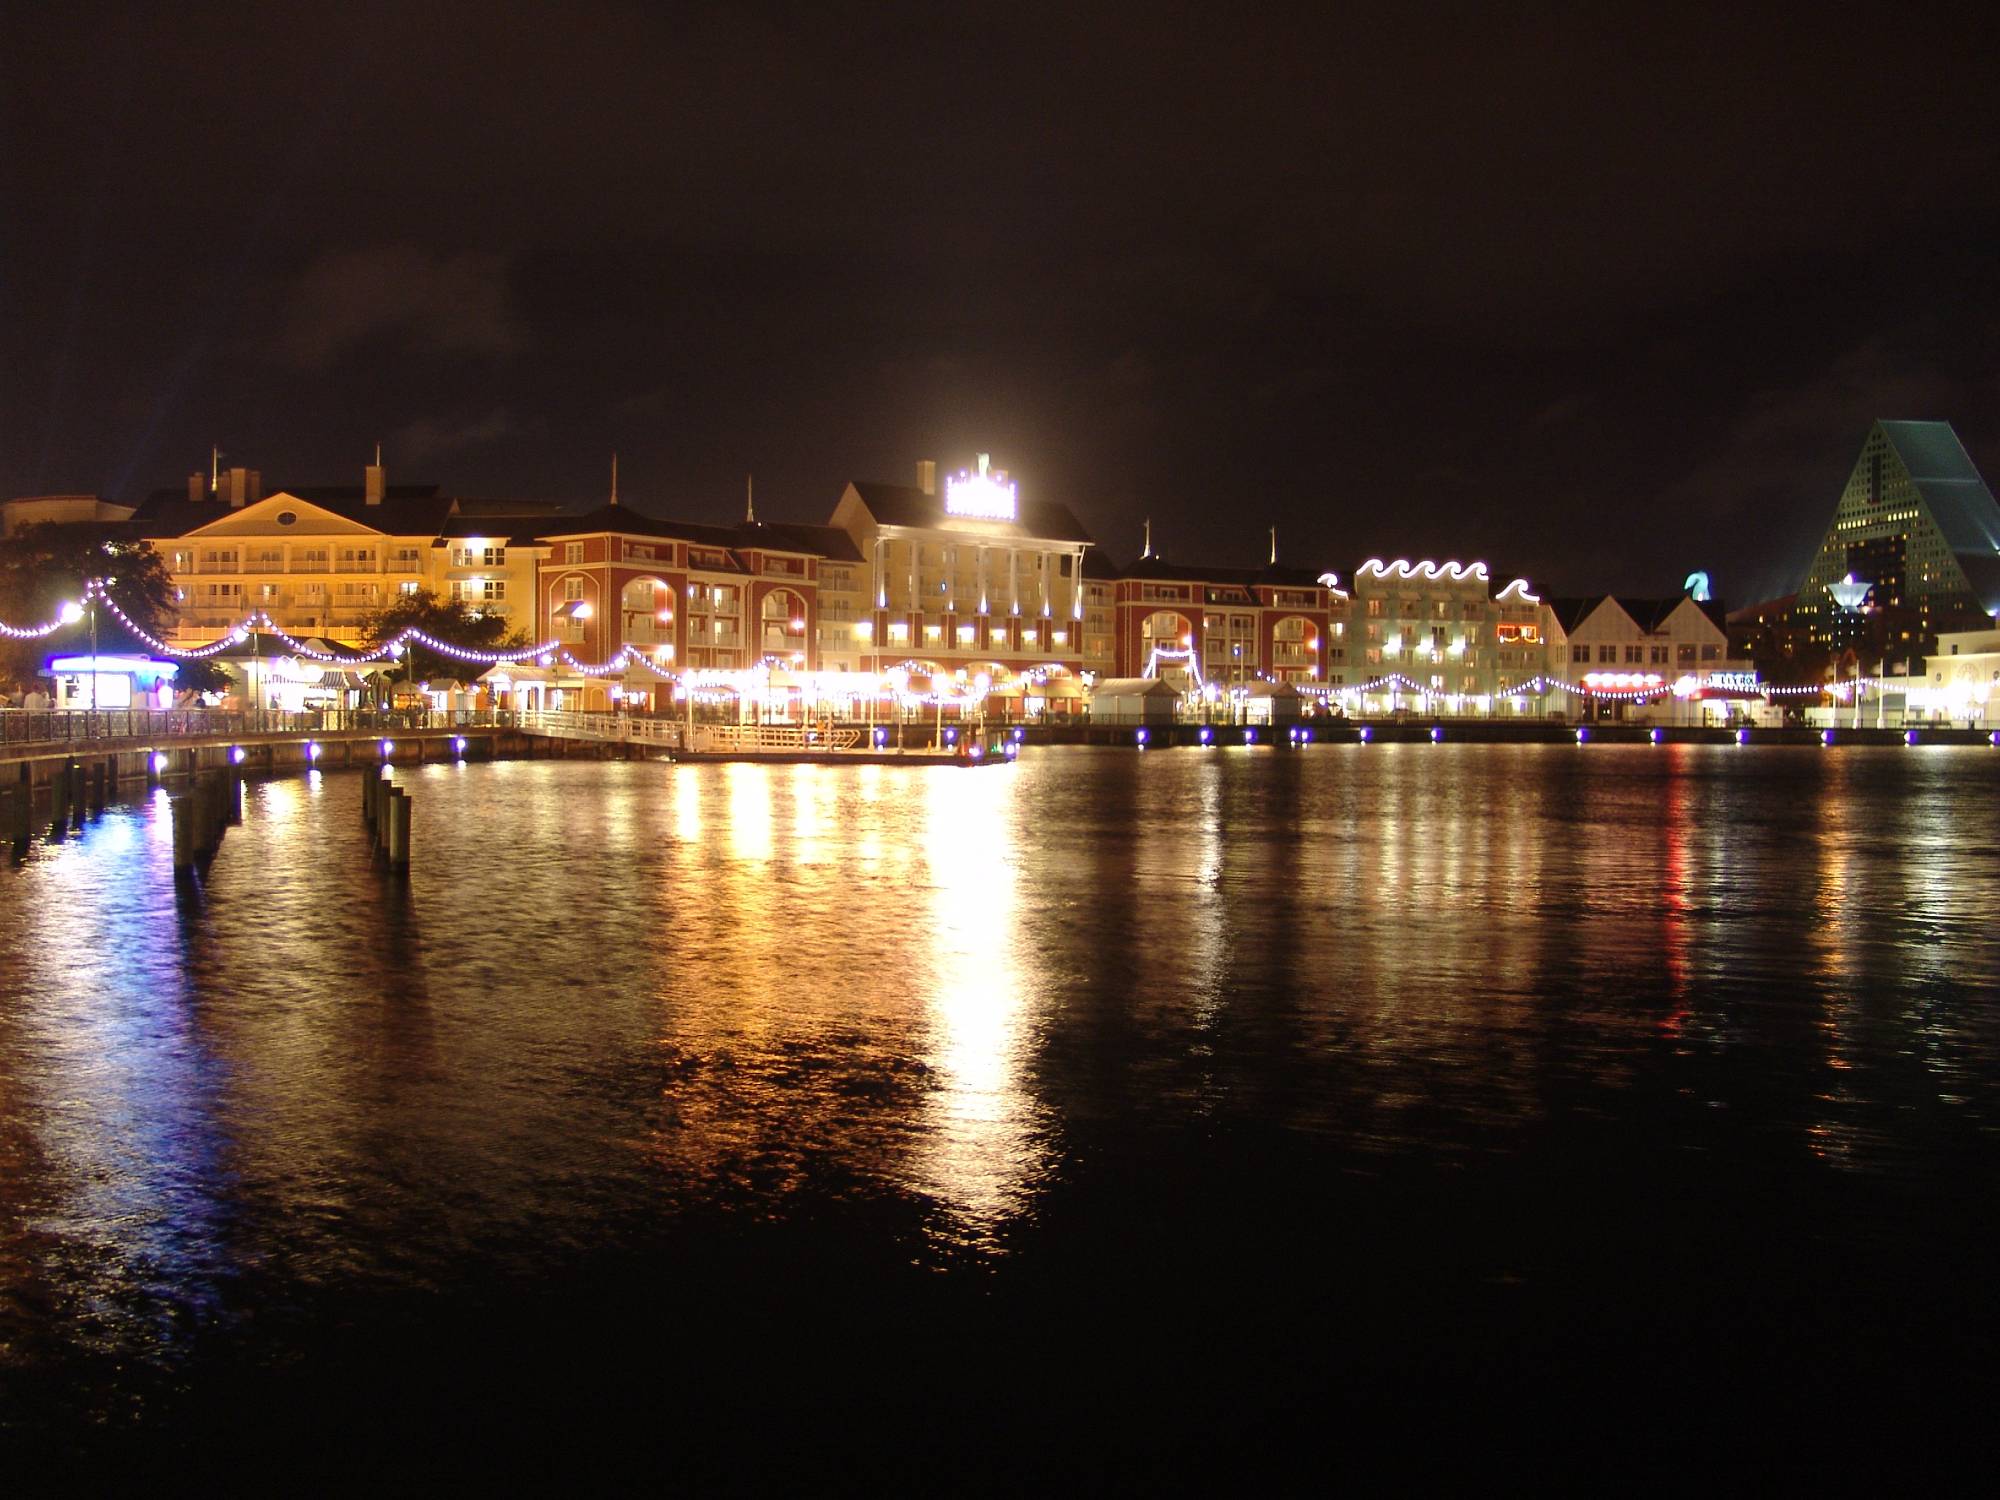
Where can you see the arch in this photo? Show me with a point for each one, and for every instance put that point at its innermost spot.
(646, 612)
(783, 625)
(1295, 648)
(1169, 634)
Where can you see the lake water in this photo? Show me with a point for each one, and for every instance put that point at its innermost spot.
(1109, 1117)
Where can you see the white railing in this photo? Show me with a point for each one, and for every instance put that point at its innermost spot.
(615, 728)
(740, 739)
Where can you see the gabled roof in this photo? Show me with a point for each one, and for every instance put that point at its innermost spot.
(400, 514)
(906, 505)
(1570, 613)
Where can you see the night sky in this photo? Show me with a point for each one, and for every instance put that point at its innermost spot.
(1593, 303)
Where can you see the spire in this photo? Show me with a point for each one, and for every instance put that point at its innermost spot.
(749, 499)
(1274, 546)
(378, 455)
(214, 470)
(1148, 550)
(614, 478)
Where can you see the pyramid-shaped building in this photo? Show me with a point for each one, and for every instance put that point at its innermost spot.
(1915, 538)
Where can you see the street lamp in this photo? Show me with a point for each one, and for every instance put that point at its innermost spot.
(90, 589)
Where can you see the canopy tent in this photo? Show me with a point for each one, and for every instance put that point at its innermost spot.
(1134, 700)
(1269, 702)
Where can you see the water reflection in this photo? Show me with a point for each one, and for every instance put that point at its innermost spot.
(612, 996)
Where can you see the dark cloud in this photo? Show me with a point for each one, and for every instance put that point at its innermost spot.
(1535, 283)
(430, 438)
(426, 303)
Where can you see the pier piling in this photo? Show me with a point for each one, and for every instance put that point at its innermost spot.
(79, 795)
(182, 810)
(398, 820)
(59, 788)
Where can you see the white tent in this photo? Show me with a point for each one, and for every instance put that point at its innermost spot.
(1133, 700)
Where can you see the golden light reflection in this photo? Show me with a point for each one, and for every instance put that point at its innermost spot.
(750, 819)
(687, 804)
(981, 1154)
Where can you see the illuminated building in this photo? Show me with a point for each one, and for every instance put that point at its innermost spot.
(1961, 679)
(35, 510)
(685, 595)
(1442, 633)
(1913, 548)
(320, 560)
(977, 577)
(1198, 623)
(1646, 659)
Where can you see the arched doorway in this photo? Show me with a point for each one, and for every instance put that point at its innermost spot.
(782, 622)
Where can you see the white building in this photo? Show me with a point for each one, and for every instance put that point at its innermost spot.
(1961, 683)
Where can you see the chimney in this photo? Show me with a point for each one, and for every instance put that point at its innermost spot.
(197, 486)
(235, 487)
(375, 481)
(927, 475)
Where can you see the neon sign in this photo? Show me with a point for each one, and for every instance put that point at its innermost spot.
(981, 496)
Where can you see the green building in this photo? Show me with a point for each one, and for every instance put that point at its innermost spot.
(1914, 547)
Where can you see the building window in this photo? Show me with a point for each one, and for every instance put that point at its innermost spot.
(572, 589)
(1711, 653)
(1684, 656)
(572, 552)
(1634, 655)
(1607, 654)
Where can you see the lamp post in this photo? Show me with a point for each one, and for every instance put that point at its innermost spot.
(90, 603)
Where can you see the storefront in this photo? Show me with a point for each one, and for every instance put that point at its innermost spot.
(104, 682)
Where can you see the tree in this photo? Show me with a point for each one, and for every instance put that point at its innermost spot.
(452, 621)
(45, 566)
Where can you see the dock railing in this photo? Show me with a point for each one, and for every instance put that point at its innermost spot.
(20, 726)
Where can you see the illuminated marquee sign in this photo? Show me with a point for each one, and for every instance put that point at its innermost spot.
(981, 496)
(1732, 682)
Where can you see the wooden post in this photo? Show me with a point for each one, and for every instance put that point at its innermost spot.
(23, 823)
(202, 795)
(100, 776)
(182, 809)
(399, 828)
(79, 795)
(59, 802)
(233, 800)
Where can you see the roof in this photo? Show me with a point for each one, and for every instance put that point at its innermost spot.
(408, 510)
(907, 505)
(1097, 563)
(1134, 687)
(1943, 472)
(1650, 615)
(821, 541)
(511, 531)
(1157, 568)
(622, 519)
(1571, 613)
